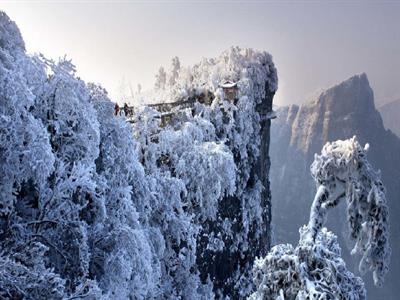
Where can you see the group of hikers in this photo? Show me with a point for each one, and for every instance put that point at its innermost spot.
(125, 110)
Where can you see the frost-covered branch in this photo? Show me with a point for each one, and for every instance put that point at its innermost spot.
(343, 172)
(314, 269)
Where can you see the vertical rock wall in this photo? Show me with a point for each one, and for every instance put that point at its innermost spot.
(230, 268)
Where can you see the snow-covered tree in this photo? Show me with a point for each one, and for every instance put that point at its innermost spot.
(71, 200)
(26, 160)
(125, 254)
(69, 225)
(314, 269)
(181, 199)
(174, 71)
(24, 146)
(342, 173)
(161, 79)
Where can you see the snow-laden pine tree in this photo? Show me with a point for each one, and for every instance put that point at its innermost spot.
(315, 269)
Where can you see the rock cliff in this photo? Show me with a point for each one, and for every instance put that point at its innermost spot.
(391, 116)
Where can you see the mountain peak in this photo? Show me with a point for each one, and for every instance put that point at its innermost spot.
(353, 94)
(362, 77)
(358, 80)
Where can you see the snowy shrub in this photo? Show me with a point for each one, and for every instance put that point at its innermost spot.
(208, 173)
(125, 252)
(312, 270)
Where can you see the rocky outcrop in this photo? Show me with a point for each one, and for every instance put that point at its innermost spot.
(340, 112)
(390, 113)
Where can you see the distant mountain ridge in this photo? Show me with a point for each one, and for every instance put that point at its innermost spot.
(391, 116)
(340, 112)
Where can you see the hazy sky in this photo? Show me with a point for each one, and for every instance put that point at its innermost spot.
(314, 44)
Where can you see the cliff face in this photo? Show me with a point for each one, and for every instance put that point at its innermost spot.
(340, 112)
(391, 114)
(248, 213)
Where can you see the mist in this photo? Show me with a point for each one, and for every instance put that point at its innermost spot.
(314, 45)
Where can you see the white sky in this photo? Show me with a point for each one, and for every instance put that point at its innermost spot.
(314, 44)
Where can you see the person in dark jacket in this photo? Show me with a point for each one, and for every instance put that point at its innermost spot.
(116, 109)
(126, 109)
